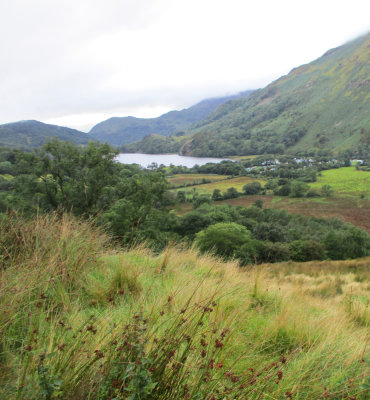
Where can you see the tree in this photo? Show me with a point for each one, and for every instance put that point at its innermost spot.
(224, 238)
(181, 196)
(258, 203)
(216, 195)
(66, 177)
(231, 193)
(202, 199)
(298, 189)
(307, 250)
(252, 188)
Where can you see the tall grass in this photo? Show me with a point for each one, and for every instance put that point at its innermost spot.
(81, 321)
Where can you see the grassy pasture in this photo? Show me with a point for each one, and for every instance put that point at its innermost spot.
(193, 179)
(345, 181)
(224, 184)
(79, 320)
(243, 158)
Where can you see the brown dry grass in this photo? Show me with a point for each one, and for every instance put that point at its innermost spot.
(353, 210)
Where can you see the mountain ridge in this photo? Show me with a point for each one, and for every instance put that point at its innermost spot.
(123, 130)
(29, 134)
(321, 106)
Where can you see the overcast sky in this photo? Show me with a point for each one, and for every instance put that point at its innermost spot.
(78, 62)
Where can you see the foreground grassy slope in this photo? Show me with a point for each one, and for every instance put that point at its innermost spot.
(321, 105)
(79, 320)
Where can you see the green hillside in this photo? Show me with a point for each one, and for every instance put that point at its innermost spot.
(27, 135)
(324, 105)
(122, 130)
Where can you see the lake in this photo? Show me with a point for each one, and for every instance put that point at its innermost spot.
(166, 159)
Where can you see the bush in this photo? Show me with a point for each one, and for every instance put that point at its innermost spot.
(312, 193)
(327, 191)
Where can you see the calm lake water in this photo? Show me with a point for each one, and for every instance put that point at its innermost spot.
(166, 159)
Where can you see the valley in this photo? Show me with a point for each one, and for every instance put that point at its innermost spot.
(128, 273)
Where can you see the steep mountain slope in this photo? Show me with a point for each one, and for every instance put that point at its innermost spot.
(122, 130)
(27, 135)
(322, 105)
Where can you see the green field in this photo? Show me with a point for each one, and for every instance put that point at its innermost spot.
(224, 184)
(345, 181)
(193, 179)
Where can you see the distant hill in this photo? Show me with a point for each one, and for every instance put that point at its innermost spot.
(324, 105)
(321, 106)
(27, 135)
(122, 130)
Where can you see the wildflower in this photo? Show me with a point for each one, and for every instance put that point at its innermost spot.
(91, 329)
(99, 353)
(224, 332)
(218, 344)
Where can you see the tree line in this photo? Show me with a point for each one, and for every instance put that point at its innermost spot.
(135, 205)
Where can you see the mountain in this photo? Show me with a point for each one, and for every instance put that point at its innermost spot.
(320, 106)
(27, 135)
(122, 130)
